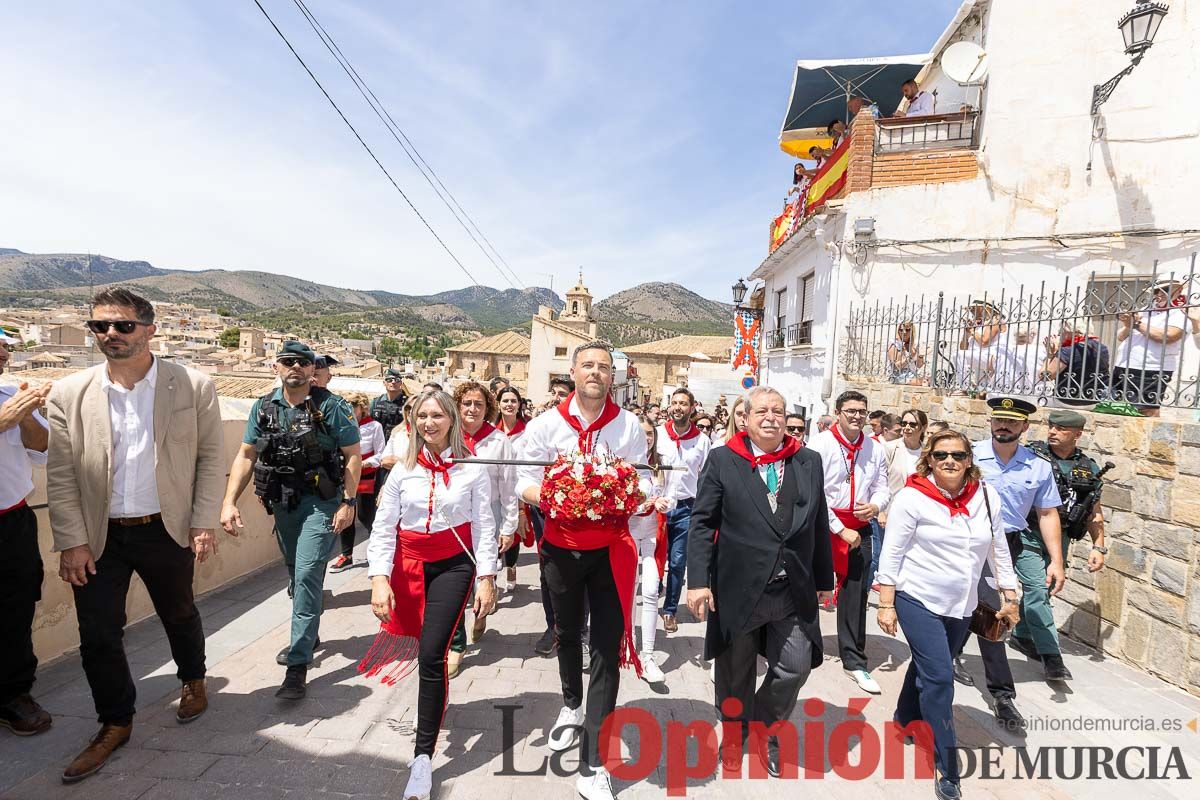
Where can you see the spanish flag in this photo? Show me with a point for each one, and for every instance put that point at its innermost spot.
(830, 178)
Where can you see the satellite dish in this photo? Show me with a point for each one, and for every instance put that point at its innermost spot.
(965, 63)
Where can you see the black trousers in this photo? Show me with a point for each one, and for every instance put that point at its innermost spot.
(447, 587)
(852, 606)
(166, 569)
(539, 526)
(365, 514)
(579, 579)
(999, 675)
(20, 590)
(773, 629)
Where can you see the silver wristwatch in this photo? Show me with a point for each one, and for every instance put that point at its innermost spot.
(1101, 550)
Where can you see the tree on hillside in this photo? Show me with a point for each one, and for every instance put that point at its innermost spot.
(389, 347)
(230, 338)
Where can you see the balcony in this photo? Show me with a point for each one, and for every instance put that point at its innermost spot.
(775, 339)
(935, 132)
(799, 334)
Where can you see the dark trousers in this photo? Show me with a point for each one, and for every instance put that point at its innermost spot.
(539, 525)
(678, 522)
(852, 606)
(447, 586)
(575, 577)
(928, 690)
(773, 629)
(366, 515)
(999, 675)
(166, 570)
(20, 590)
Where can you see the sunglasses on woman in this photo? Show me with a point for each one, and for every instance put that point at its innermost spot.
(291, 361)
(958, 455)
(704, 427)
(910, 424)
(122, 325)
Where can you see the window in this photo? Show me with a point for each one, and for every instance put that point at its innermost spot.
(574, 306)
(780, 318)
(808, 286)
(560, 352)
(472, 367)
(507, 369)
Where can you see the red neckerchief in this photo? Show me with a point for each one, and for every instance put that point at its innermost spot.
(851, 454)
(740, 444)
(518, 427)
(1070, 341)
(485, 430)
(436, 467)
(587, 437)
(928, 488)
(367, 418)
(679, 439)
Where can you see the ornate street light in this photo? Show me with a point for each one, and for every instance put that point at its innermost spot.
(739, 292)
(1138, 28)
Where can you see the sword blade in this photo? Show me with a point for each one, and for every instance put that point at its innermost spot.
(521, 462)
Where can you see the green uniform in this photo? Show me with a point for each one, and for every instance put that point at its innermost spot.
(304, 527)
(1037, 619)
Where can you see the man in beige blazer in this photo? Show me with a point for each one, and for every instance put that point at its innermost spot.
(134, 481)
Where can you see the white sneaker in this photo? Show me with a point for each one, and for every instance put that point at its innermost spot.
(420, 779)
(566, 729)
(712, 671)
(864, 681)
(587, 655)
(597, 786)
(651, 672)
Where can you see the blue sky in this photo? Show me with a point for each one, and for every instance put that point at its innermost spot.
(637, 140)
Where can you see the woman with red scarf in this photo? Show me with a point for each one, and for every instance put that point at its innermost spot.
(941, 527)
(510, 422)
(649, 529)
(370, 433)
(434, 538)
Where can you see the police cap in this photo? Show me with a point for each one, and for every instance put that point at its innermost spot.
(325, 362)
(1011, 408)
(298, 349)
(393, 373)
(1065, 418)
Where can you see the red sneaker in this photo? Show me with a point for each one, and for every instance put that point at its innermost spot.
(341, 563)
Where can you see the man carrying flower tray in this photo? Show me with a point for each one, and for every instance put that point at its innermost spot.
(587, 553)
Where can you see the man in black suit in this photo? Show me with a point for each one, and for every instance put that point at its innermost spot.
(764, 574)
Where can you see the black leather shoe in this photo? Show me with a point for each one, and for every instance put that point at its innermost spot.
(1007, 714)
(946, 789)
(768, 754)
(294, 684)
(960, 673)
(1024, 646)
(731, 756)
(546, 644)
(24, 717)
(281, 656)
(1056, 670)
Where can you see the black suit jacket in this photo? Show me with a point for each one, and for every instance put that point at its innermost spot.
(736, 566)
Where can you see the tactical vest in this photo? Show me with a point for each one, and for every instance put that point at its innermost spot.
(388, 413)
(291, 461)
(1079, 484)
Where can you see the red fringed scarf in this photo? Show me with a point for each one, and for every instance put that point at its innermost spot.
(610, 534)
(397, 641)
(660, 538)
(678, 438)
(957, 505)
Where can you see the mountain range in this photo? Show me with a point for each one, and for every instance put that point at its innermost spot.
(642, 313)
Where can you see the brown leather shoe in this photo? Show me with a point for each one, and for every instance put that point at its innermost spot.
(453, 664)
(24, 717)
(478, 629)
(193, 701)
(96, 754)
(669, 623)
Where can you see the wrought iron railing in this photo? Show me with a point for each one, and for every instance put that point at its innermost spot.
(1121, 338)
(775, 339)
(934, 132)
(800, 333)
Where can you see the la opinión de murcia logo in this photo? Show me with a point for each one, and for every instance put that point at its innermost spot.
(852, 750)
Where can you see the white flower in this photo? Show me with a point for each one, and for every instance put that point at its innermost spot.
(592, 514)
(559, 497)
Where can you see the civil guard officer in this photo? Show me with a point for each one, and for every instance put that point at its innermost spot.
(301, 447)
(1079, 480)
(388, 408)
(1026, 486)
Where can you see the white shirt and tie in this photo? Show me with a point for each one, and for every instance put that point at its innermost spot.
(131, 414)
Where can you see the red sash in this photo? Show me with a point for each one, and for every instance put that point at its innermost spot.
(841, 550)
(660, 538)
(366, 479)
(397, 639)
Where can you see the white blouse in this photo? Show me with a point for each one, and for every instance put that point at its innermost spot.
(937, 559)
(504, 480)
(371, 437)
(643, 528)
(404, 503)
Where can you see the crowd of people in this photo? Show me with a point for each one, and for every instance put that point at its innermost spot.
(760, 519)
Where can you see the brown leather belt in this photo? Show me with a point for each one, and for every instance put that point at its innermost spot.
(131, 522)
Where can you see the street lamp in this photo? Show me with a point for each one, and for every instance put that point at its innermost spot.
(1138, 28)
(739, 292)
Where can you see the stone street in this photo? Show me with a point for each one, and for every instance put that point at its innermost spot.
(351, 737)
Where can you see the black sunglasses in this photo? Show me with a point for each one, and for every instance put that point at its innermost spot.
(795, 429)
(292, 361)
(958, 455)
(705, 427)
(122, 325)
(907, 424)
(391, 380)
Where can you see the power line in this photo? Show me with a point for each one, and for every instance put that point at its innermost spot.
(410, 149)
(370, 152)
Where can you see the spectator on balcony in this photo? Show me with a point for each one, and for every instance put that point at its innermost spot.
(1078, 365)
(1149, 344)
(904, 362)
(856, 104)
(801, 177)
(920, 104)
(836, 130)
(983, 348)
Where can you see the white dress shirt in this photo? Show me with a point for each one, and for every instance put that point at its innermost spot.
(404, 505)
(763, 469)
(1139, 351)
(131, 413)
(920, 106)
(690, 453)
(870, 475)
(937, 559)
(370, 435)
(16, 461)
(548, 436)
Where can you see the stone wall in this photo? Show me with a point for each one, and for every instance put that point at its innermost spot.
(1144, 606)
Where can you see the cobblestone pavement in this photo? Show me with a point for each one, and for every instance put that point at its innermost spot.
(349, 738)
